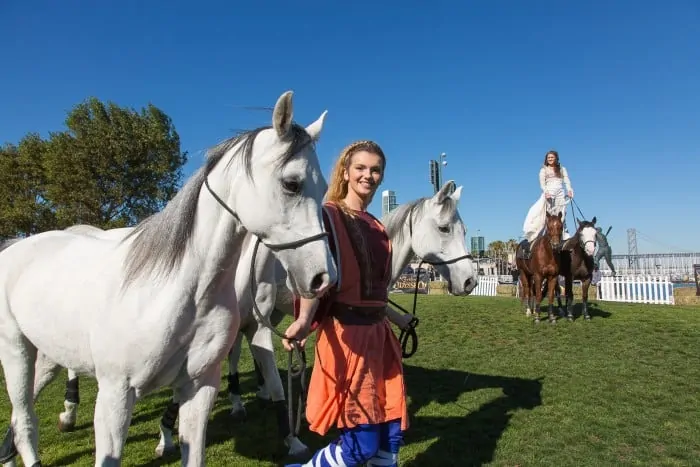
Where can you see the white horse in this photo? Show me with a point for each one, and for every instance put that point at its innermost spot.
(430, 228)
(156, 308)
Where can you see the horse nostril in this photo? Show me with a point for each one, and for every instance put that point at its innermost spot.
(468, 283)
(319, 281)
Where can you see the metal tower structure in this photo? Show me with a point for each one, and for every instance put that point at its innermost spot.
(632, 251)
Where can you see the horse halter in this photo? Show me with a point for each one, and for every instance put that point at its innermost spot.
(292, 370)
(411, 331)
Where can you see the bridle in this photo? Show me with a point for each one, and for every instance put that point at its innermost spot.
(293, 371)
(410, 331)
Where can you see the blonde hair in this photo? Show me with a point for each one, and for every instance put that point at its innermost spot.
(338, 187)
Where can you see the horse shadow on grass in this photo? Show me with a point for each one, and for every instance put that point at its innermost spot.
(469, 438)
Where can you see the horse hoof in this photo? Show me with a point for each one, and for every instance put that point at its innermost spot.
(297, 449)
(587, 318)
(239, 414)
(552, 321)
(65, 427)
(164, 451)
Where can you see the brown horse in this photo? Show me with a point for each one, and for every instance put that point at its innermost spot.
(543, 263)
(576, 263)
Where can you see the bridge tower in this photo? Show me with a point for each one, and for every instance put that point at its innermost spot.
(632, 248)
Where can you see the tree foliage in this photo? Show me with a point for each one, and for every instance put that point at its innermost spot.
(111, 167)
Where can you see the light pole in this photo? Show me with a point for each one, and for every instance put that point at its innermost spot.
(442, 162)
(478, 251)
(436, 171)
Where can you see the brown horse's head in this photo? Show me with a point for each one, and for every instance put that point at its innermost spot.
(555, 228)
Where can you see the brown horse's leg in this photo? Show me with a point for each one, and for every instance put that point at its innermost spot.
(525, 296)
(537, 284)
(585, 284)
(552, 282)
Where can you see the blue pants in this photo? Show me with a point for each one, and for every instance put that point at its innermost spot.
(374, 445)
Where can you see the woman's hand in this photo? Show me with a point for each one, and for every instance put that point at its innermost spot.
(298, 330)
(547, 196)
(404, 321)
(571, 194)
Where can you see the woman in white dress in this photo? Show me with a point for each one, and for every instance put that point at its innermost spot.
(553, 178)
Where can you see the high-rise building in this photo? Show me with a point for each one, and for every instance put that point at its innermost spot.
(478, 246)
(388, 201)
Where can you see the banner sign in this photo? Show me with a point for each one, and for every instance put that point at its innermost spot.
(407, 283)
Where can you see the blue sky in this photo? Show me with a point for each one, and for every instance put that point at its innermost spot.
(613, 86)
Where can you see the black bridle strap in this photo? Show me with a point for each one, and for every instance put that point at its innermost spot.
(292, 370)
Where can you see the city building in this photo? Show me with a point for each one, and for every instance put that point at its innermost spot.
(388, 201)
(478, 246)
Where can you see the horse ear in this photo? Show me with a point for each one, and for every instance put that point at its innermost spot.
(444, 192)
(457, 193)
(282, 115)
(593, 221)
(314, 130)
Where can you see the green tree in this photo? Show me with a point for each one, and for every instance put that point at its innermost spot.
(24, 209)
(113, 166)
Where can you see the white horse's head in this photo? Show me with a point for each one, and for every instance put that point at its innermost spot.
(587, 236)
(267, 182)
(279, 199)
(439, 237)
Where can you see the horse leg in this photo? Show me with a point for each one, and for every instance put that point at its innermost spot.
(525, 297)
(67, 418)
(197, 399)
(557, 292)
(537, 284)
(166, 446)
(552, 282)
(44, 372)
(584, 291)
(264, 352)
(18, 358)
(238, 411)
(569, 290)
(114, 408)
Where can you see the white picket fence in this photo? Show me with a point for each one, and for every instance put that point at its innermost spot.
(636, 289)
(487, 286)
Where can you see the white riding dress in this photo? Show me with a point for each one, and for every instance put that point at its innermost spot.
(551, 184)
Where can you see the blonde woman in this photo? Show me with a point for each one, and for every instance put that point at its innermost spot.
(357, 383)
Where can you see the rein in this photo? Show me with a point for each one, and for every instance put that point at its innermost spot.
(292, 370)
(410, 331)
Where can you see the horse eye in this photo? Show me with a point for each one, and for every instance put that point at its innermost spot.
(292, 186)
(444, 228)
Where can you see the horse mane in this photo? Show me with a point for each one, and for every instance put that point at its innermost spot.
(395, 220)
(160, 240)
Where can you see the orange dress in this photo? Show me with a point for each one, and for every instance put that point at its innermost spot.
(357, 376)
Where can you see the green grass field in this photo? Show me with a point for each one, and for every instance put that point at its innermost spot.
(486, 387)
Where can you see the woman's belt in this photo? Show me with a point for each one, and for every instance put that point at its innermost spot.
(358, 315)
